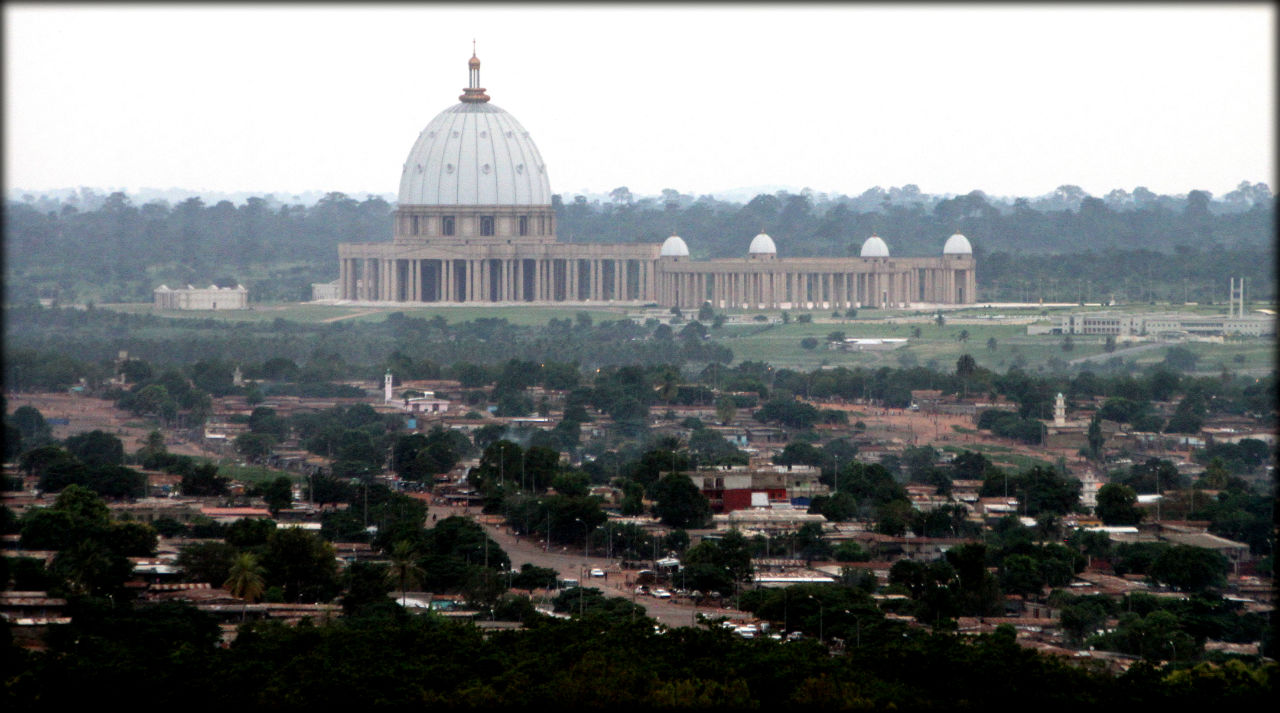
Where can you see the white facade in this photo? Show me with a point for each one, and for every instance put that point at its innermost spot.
(325, 290)
(211, 297)
(1153, 325)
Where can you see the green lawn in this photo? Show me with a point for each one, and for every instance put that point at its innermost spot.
(938, 346)
(253, 474)
(311, 314)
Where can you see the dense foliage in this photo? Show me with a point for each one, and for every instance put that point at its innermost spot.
(385, 659)
(1137, 246)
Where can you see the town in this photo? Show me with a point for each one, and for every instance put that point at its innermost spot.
(825, 505)
(766, 426)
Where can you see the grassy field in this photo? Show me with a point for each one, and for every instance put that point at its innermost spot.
(254, 475)
(314, 314)
(938, 346)
(1001, 455)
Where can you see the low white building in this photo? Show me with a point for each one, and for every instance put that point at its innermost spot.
(210, 298)
(321, 291)
(1173, 325)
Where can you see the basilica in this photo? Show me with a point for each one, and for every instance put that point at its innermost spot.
(475, 225)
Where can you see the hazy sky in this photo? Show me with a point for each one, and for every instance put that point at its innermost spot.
(1012, 100)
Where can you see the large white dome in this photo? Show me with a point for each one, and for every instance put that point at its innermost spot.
(875, 247)
(957, 245)
(474, 153)
(762, 245)
(674, 246)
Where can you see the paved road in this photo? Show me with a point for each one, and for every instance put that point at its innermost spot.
(571, 564)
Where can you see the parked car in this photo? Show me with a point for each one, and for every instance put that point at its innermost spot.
(661, 593)
(597, 572)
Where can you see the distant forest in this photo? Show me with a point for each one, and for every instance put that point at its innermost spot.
(1065, 246)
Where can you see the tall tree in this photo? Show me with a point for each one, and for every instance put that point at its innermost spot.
(245, 580)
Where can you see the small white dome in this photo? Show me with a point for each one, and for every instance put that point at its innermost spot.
(762, 245)
(875, 247)
(957, 245)
(674, 247)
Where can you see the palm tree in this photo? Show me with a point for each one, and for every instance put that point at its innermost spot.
(404, 567)
(247, 581)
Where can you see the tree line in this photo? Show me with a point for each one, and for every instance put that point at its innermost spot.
(1141, 246)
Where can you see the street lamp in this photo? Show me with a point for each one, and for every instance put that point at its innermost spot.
(585, 533)
(786, 622)
(857, 620)
(820, 636)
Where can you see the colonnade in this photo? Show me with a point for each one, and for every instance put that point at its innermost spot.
(588, 273)
(689, 285)
(496, 279)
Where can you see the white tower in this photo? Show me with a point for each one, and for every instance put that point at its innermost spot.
(1059, 410)
(1235, 299)
(386, 387)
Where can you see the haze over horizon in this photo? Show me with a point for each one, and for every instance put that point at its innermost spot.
(1009, 100)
